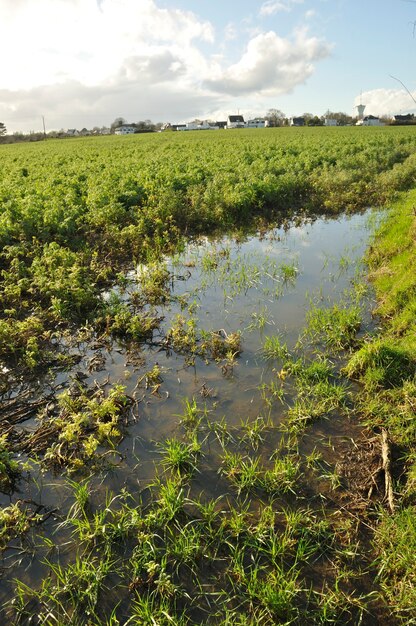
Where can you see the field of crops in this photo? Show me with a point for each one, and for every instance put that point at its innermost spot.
(165, 381)
(71, 212)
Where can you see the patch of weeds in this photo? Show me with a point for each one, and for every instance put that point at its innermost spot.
(274, 349)
(276, 593)
(118, 319)
(182, 335)
(154, 280)
(336, 327)
(288, 272)
(70, 593)
(14, 522)
(395, 543)
(318, 371)
(221, 431)
(283, 475)
(381, 364)
(150, 609)
(179, 457)
(318, 391)
(253, 431)
(86, 420)
(337, 606)
(259, 320)
(168, 501)
(192, 414)
(153, 379)
(244, 472)
(212, 259)
(272, 391)
(107, 526)
(9, 468)
(25, 341)
(315, 402)
(220, 345)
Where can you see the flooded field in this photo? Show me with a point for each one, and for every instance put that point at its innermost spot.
(232, 413)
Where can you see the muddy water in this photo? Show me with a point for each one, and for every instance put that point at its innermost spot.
(257, 286)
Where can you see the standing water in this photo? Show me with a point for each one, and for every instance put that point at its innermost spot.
(218, 392)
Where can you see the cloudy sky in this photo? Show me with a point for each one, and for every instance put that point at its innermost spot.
(82, 63)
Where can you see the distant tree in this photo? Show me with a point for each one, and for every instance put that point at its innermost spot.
(387, 119)
(3, 129)
(119, 121)
(144, 125)
(307, 117)
(342, 118)
(275, 117)
(315, 121)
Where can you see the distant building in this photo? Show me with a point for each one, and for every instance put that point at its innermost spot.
(371, 120)
(235, 121)
(72, 132)
(360, 110)
(297, 121)
(409, 118)
(125, 130)
(205, 125)
(329, 121)
(257, 123)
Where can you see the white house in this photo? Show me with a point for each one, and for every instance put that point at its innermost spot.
(235, 121)
(329, 121)
(257, 123)
(125, 130)
(371, 120)
(205, 125)
(297, 121)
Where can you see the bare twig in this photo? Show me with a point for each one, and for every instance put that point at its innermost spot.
(399, 81)
(386, 456)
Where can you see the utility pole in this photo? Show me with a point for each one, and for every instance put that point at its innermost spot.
(44, 129)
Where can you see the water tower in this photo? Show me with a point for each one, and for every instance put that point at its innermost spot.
(360, 108)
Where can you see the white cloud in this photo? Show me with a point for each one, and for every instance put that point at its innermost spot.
(85, 62)
(51, 41)
(271, 65)
(274, 6)
(386, 101)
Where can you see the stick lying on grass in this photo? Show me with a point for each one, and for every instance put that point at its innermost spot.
(386, 457)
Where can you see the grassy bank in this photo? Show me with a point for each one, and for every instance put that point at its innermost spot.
(385, 365)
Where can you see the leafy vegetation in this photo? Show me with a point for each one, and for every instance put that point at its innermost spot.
(258, 501)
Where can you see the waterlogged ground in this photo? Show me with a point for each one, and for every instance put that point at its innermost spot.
(229, 402)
